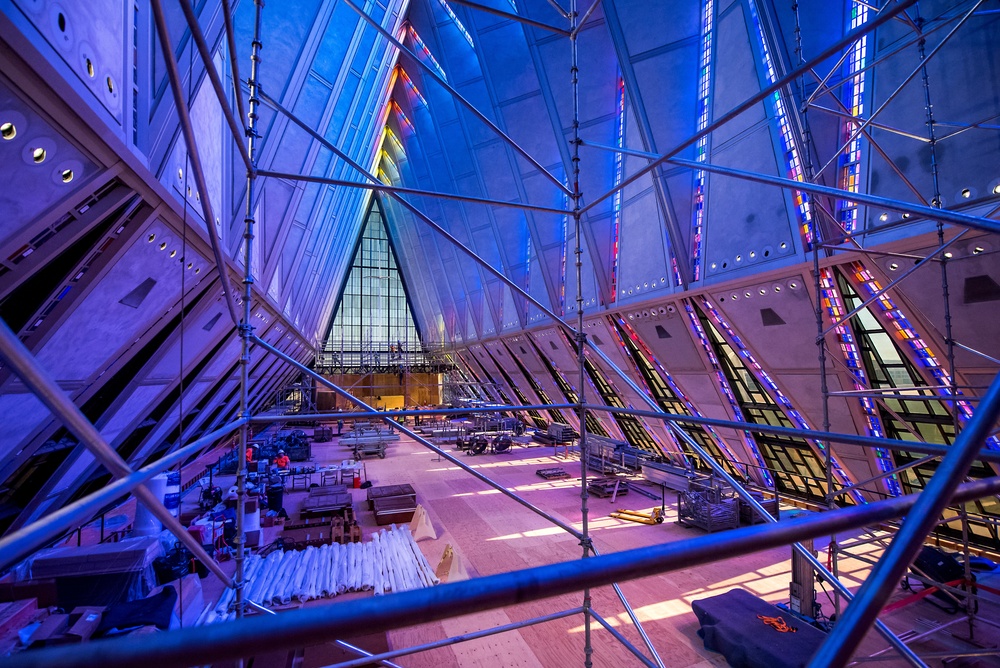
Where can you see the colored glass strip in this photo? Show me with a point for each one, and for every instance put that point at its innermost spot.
(905, 332)
(641, 345)
(791, 154)
(619, 169)
(412, 86)
(720, 377)
(701, 148)
(458, 24)
(425, 52)
(854, 88)
(402, 117)
(834, 307)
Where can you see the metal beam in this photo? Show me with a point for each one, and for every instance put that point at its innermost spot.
(421, 215)
(381, 187)
(454, 640)
(213, 77)
(458, 96)
(317, 624)
(882, 581)
(930, 213)
(49, 393)
(512, 17)
(884, 16)
(177, 88)
(853, 439)
(21, 543)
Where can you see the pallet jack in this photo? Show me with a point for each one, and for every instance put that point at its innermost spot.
(655, 517)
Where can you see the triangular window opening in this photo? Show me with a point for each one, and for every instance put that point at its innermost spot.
(797, 471)
(373, 327)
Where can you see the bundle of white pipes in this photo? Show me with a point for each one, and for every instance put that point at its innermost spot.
(390, 561)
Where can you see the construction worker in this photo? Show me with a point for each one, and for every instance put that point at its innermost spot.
(281, 461)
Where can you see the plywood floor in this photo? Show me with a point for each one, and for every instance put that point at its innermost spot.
(492, 534)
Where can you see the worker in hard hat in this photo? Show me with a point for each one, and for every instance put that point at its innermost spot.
(281, 461)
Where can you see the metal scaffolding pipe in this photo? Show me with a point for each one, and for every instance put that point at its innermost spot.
(886, 14)
(49, 393)
(457, 96)
(245, 328)
(187, 129)
(623, 640)
(893, 283)
(757, 506)
(453, 640)
(512, 17)
(381, 187)
(930, 213)
(880, 583)
(317, 624)
(417, 437)
(268, 418)
(27, 539)
(517, 289)
(852, 439)
(213, 76)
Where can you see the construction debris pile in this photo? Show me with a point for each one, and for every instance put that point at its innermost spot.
(391, 561)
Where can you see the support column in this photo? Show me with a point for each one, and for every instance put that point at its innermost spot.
(581, 337)
(245, 328)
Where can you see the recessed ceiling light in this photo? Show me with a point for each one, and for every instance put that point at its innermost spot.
(38, 155)
(977, 250)
(8, 131)
(966, 193)
(163, 246)
(893, 266)
(884, 217)
(66, 175)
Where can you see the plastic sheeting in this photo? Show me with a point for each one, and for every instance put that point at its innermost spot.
(390, 561)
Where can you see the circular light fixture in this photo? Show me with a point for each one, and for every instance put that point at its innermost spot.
(948, 255)
(739, 258)
(90, 68)
(38, 155)
(906, 215)
(163, 246)
(783, 245)
(180, 173)
(197, 270)
(111, 85)
(753, 254)
(747, 294)
(173, 252)
(66, 175)
(966, 193)
(793, 285)
(893, 266)
(777, 288)
(8, 131)
(977, 250)
(763, 291)
(996, 189)
(151, 238)
(735, 296)
(713, 265)
(884, 217)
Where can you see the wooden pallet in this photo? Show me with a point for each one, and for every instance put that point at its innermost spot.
(605, 487)
(554, 473)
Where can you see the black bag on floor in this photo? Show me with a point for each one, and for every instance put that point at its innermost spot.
(942, 567)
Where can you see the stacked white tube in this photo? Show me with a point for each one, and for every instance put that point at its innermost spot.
(391, 561)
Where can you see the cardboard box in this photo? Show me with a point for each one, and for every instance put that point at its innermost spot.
(253, 538)
(84, 622)
(51, 632)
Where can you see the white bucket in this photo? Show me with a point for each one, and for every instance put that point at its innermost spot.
(146, 524)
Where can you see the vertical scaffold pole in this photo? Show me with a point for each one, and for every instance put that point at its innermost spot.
(574, 18)
(246, 329)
